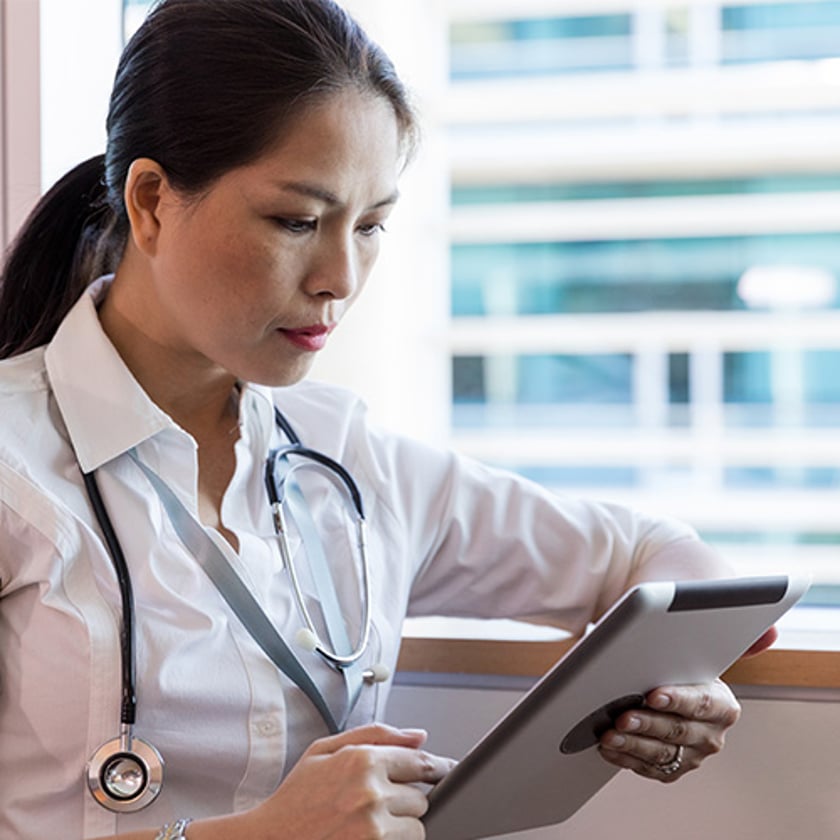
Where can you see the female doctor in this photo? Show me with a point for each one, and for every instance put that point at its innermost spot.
(171, 491)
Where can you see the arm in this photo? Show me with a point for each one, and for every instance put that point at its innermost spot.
(359, 784)
(464, 539)
(511, 549)
(502, 546)
(486, 543)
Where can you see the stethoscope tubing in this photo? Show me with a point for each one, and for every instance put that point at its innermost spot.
(275, 497)
(331, 656)
(128, 703)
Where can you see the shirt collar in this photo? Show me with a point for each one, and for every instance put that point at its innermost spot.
(104, 408)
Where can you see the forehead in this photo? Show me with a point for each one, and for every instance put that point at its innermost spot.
(349, 141)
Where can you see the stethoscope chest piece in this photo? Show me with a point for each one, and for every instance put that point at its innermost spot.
(125, 774)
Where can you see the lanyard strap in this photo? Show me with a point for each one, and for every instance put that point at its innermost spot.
(234, 591)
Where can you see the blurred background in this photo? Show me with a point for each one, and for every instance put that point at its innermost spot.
(615, 265)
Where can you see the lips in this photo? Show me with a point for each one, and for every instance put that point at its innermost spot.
(310, 338)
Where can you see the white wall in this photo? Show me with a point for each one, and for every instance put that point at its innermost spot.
(777, 778)
(76, 80)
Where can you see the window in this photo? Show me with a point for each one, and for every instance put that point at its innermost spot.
(625, 221)
(644, 301)
(522, 47)
(779, 31)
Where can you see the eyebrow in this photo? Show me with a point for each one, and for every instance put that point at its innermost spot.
(321, 194)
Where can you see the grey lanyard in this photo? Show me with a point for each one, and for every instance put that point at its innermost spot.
(243, 603)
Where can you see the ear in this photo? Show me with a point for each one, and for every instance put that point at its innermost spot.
(146, 192)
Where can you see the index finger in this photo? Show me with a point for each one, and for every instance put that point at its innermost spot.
(371, 734)
(713, 702)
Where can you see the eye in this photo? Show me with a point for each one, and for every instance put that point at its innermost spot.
(296, 225)
(371, 229)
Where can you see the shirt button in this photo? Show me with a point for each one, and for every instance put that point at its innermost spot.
(267, 727)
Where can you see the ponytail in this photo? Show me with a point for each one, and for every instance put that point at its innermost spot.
(71, 237)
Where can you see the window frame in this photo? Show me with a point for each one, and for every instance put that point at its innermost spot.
(20, 109)
(452, 659)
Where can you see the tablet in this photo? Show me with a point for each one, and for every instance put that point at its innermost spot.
(539, 764)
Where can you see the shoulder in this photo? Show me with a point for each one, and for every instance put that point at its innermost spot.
(336, 421)
(23, 375)
(312, 396)
(24, 398)
(31, 441)
(325, 416)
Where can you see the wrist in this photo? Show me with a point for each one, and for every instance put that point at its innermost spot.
(175, 830)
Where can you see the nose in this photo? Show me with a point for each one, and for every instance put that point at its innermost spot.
(335, 271)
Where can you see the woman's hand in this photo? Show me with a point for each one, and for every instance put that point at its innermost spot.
(679, 727)
(358, 784)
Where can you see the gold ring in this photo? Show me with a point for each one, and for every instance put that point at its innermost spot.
(672, 766)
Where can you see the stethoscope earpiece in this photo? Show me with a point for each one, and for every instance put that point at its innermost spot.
(125, 774)
(376, 673)
(307, 639)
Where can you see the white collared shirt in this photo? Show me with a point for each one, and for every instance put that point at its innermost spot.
(446, 536)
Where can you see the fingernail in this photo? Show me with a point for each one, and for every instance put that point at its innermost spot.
(413, 733)
(633, 723)
(616, 740)
(660, 701)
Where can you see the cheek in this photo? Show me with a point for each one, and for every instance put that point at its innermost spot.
(240, 273)
(193, 268)
(229, 255)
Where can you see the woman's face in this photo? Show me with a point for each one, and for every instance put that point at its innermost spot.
(252, 276)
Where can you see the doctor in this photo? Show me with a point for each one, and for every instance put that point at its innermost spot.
(158, 315)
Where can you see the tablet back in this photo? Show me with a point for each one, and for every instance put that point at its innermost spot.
(539, 764)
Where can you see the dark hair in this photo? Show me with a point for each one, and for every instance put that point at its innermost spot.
(204, 86)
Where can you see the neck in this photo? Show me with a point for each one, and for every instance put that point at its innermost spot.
(201, 398)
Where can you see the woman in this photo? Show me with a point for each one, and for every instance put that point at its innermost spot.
(254, 148)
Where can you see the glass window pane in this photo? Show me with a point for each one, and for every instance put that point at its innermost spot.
(544, 390)
(701, 273)
(780, 31)
(540, 46)
(498, 194)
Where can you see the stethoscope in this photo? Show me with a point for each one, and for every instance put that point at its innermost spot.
(126, 773)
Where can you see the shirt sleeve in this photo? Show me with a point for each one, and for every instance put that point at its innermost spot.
(487, 543)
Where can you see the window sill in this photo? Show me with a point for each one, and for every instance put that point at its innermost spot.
(777, 668)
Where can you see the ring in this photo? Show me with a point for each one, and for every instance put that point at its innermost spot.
(672, 766)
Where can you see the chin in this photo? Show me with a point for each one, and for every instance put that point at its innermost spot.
(280, 379)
